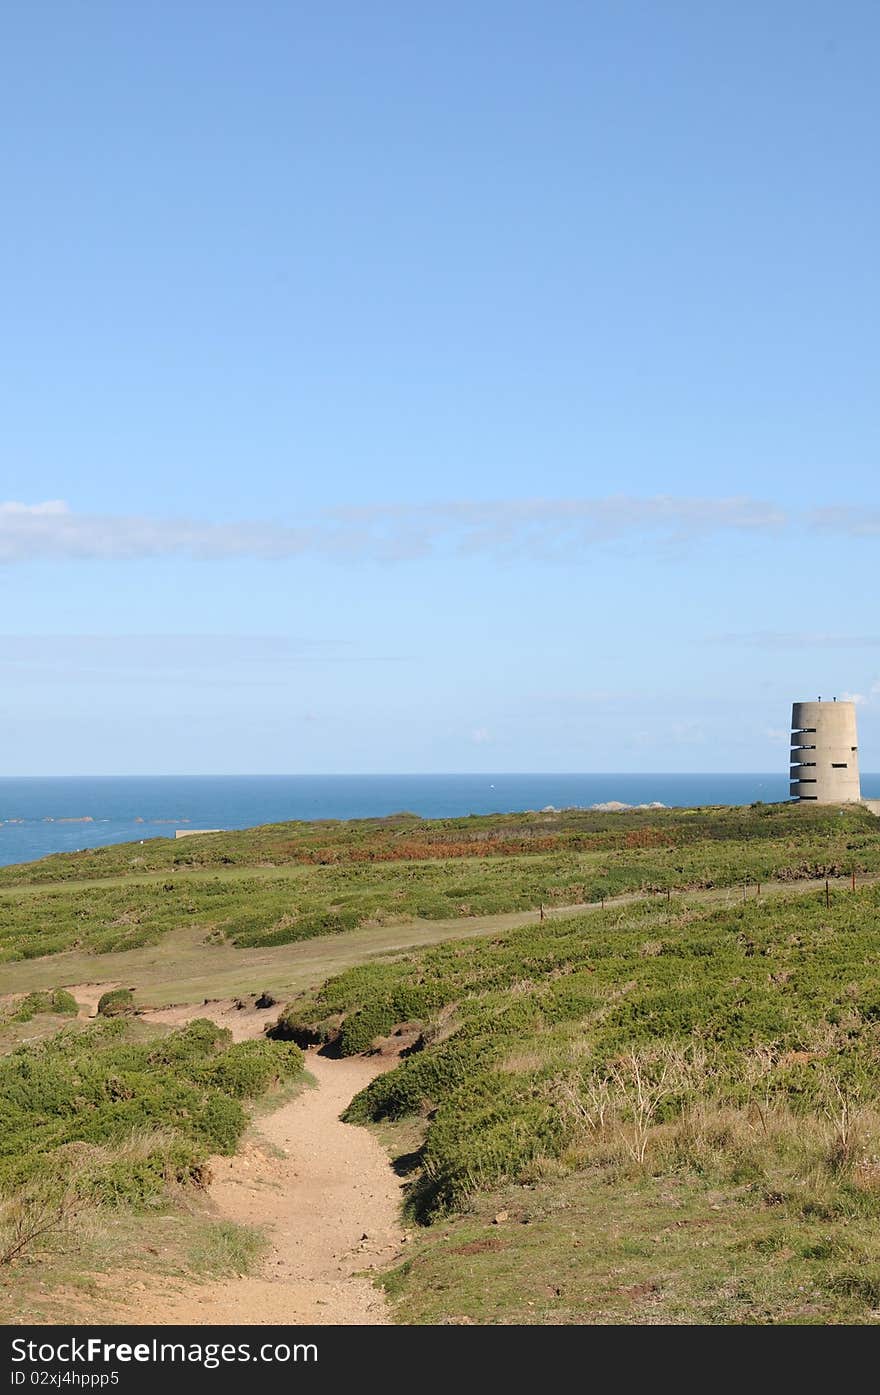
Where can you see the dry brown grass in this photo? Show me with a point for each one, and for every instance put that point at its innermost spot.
(32, 1216)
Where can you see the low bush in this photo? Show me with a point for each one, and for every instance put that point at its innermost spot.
(251, 1067)
(120, 1117)
(56, 1000)
(119, 1002)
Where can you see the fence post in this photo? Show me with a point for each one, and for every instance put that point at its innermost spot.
(827, 893)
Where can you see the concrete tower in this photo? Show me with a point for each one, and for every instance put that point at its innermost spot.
(824, 752)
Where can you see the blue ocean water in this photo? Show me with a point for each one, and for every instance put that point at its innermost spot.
(42, 816)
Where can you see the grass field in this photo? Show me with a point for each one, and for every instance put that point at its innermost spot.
(314, 880)
(103, 1255)
(645, 1249)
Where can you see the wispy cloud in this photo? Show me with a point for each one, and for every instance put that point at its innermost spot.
(689, 733)
(542, 529)
(550, 527)
(844, 518)
(54, 532)
(155, 657)
(866, 699)
(804, 639)
(48, 509)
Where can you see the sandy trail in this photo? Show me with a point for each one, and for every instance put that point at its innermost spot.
(240, 1016)
(88, 995)
(327, 1196)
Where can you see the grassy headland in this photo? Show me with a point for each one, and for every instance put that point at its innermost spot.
(661, 1109)
(278, 885)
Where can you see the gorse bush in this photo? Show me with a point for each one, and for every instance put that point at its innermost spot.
(250, 1067)
(124, 1117)
(52, 1001)
(116, 1003)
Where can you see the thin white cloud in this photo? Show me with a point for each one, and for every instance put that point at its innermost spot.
(689, 733)
(51, 507)
(148, 656)
(867, 699)
(54, 532)
(794, 639)
(541, 529)
(844, 518)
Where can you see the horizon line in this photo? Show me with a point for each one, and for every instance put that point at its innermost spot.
(407, 774)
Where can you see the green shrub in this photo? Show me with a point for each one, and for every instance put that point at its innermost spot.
(119, 1002)
(192, 1043)
(250, 1067)
(305, 1024)
(123, 1117)
(56, 1000)
(486, 1129)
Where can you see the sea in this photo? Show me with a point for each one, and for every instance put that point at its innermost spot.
(39, 816)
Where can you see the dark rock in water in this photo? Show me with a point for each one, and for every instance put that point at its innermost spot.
(265, 1000)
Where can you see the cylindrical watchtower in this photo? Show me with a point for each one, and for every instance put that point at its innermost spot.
(824, 752)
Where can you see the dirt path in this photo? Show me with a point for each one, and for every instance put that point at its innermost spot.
(88, 996)
(240, 1016)
(327, 1196)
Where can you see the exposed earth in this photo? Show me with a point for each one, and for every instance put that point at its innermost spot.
(323, 1191)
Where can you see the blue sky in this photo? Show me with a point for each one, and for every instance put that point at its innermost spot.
(410, 387)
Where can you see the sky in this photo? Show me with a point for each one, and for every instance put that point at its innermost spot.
(462, 386)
